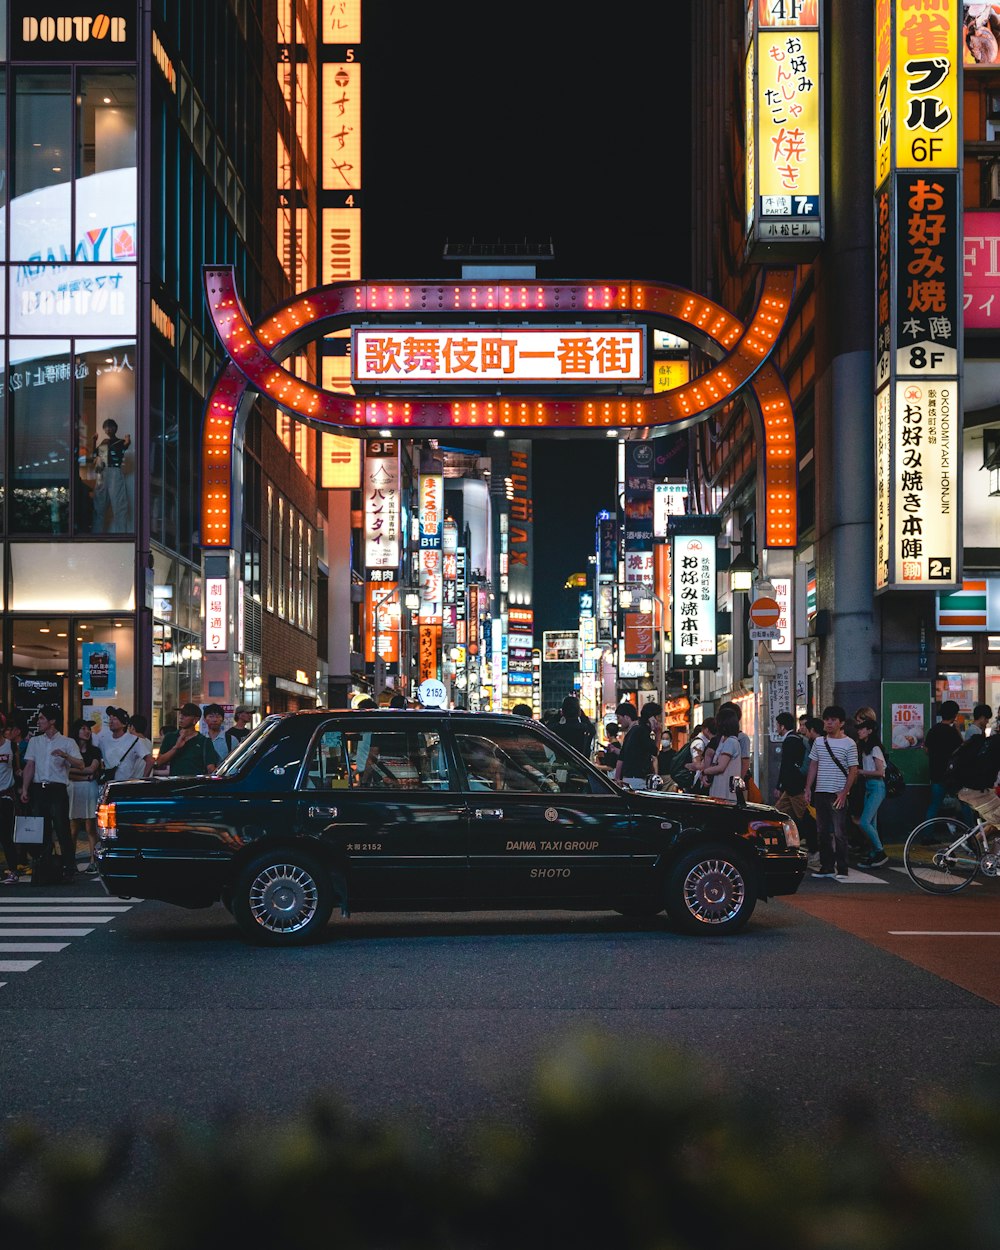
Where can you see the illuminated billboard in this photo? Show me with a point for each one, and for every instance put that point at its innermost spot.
(435, 355)
(783, 76)
(381, 487)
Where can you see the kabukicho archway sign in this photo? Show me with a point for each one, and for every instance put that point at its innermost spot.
(465, 356)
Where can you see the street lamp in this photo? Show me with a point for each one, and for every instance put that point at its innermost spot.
(742, 571)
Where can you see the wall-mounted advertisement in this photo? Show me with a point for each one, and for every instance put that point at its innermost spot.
(381, 488)
(561, 646)
(100, 670)
(431, 520)
(669, 499)
(980, 35)
(981, 271)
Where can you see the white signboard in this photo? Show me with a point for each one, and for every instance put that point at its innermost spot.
(432, 693)
(883, 480)
(450, 355)
(381, 486)
(925, 503)
(692, 571)
(783, 594)
(779, 695)
(669, 499)
(216, 614)
(561, 646)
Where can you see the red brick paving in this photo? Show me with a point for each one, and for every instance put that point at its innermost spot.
(870, 913)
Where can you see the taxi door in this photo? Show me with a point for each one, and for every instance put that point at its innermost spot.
(543, 825)
(382, 793)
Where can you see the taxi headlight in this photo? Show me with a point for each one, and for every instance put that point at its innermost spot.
(791, 831)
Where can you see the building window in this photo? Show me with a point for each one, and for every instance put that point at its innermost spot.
(40, 385)
(43, 123)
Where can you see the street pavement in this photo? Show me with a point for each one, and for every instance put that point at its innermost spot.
(118, 1013)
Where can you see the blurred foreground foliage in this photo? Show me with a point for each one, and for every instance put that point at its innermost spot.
(621, 1147)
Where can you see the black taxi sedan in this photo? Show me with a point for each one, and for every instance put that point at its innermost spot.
(432, 810)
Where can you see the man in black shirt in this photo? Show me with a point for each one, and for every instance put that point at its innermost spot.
(639, 747)
(941, 742)
(791, 780)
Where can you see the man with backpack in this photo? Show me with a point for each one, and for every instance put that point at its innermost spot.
(974, 770)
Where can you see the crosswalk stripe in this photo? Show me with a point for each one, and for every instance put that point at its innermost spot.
(31, 948)
(16, 909)
(63, 901)
(71, 919)
(54, 913)
(7, 933)
(18, 965)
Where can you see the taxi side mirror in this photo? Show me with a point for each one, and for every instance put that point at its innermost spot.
(739, 787)
(654, 782)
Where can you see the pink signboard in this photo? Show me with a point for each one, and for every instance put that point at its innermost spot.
(981, 271)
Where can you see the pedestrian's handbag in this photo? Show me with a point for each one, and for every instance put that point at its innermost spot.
(753, 792)
(895, 783)
(109, 773)
(29, 829)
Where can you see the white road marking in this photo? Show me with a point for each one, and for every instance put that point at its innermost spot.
(18, 965)
(63, 901)
(856, 877)
(73, 918)
(31, 948)
(944, 932)
(9, 933)
(22, 909)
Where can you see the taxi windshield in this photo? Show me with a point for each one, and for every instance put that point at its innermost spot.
(238, 758)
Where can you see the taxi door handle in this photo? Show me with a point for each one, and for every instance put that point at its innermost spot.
(321, 813)
(489, 813)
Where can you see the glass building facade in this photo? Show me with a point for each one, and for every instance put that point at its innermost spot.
(132, 152)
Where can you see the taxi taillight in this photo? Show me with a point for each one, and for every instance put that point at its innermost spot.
(107, 820)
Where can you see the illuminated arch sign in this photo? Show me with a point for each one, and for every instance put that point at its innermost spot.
(741, 351)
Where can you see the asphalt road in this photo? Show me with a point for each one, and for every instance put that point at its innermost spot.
(150, 1011)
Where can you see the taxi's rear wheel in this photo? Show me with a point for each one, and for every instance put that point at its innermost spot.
(711, 891)
(283, 898)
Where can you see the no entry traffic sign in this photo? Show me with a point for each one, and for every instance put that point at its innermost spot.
(765, 612)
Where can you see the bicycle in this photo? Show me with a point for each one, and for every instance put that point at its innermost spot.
(944, 855)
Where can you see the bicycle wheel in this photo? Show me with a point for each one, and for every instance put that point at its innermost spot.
(942, 855)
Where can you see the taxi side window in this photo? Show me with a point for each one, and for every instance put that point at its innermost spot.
(514, 759)
(410, 759)
(328, 763)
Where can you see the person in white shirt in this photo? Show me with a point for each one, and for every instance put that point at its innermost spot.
(833, 766)
(114, 741)
(138, 763)
(45, 784)
(8, 809)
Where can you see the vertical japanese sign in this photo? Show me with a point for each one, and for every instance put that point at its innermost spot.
(784, 147)
(340, 177)
(431, 522)
(918, 223)
(216, 614)
(521, 510)
(461, 635)
(639, 483)
(381, 489)
(693, 576)
(382, 619)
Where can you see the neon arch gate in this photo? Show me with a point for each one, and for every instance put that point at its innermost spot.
(742, 353)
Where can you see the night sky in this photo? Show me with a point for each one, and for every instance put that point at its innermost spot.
(530, 123)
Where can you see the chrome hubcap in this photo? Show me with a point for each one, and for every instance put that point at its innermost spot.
(283, 898)
(714, 891)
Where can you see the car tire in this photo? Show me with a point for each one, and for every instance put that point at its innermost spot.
(711, 891)
(283, 898)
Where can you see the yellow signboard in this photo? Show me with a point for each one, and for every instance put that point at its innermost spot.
(340, 462)
(341, 126)
(883, 90)
(926, 51)
(750, 185)
(341, 244)
(788, 94)
(341, 21)
(668, 374)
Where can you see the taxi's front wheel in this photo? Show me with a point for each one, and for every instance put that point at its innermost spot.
(283, 898)
(711, 891)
